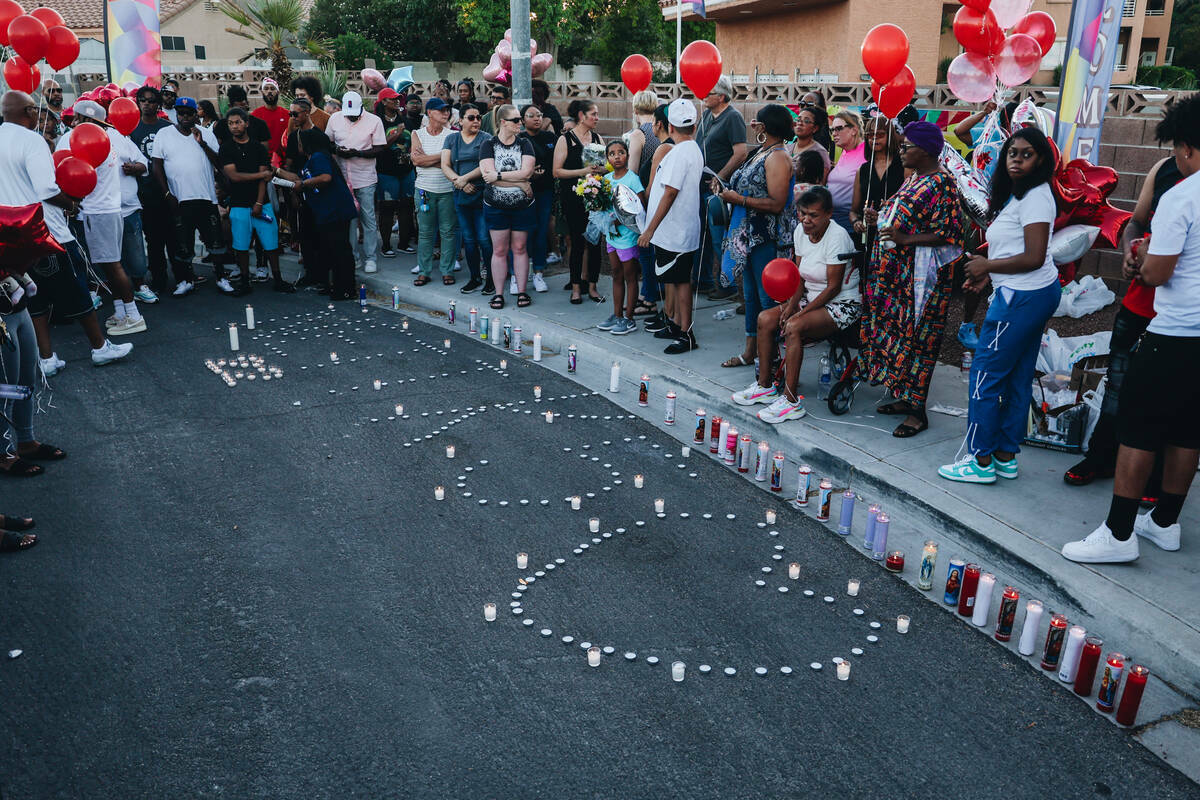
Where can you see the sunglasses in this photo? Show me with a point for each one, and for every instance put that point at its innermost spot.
(838, 128)
(512, 119)
(296, 113)
(472, 117)
(904, 148)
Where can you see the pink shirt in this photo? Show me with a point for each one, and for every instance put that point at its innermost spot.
(357, 134)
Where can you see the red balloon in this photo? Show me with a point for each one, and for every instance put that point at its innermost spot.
(700, 67)
(20, 76)
(60, 156)
(48, 16)
(876, 88)
(978, 33)
(1017, 60)
(897, 93)
(75, 177)
(884, 51)
(1040, 26)
(979, 5)
(24, 237)
(29, 37)
(106, 95)
(63, 49)
(90, 143)
(781, 279)
(9, 10)
(123, 115)
(636, 72)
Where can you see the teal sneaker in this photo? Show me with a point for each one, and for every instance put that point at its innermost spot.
(1005, 469)
(968, 470)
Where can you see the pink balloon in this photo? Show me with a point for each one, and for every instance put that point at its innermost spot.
(533, 47)
(505, 77)
(972, 77)
(1009, 12)
(1018, 59)
(541, 62)
(504, 50)
(373, 79)
(491, 73)
(508, 35)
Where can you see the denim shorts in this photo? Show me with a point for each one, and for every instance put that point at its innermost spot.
(516, 219)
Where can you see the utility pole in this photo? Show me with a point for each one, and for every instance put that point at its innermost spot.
(522, 77)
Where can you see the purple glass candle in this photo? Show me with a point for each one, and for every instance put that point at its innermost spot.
(847, 517)
(879, 549)
(869, 538)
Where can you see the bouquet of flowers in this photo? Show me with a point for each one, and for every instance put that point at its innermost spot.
(596, 191)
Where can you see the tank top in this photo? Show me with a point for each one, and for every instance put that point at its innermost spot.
(647, 129)
(1139, 298)
(432, 179)
(574, 160)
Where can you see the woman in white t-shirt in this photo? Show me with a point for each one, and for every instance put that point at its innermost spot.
(1026, 293)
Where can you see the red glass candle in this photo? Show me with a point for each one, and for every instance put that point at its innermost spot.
(1110, 679)
(1135, 684)
(1052, 651)
(1085, 678)
(1008, 614)
(895, 561)
(970, 585)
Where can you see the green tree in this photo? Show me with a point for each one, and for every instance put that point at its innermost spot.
(350, 50)
(637, 26)
(413, 30)
(1185, 35)
(273, 26)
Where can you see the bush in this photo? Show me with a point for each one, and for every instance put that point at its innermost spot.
(1167, 77)
(943, 68)
(352, 49)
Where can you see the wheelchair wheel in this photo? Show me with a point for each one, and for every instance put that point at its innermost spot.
(839, 357)
(841, 396)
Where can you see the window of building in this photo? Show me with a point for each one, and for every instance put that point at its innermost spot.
(1156, 8)
(1054, 56)
(173, 44)
(199, 52)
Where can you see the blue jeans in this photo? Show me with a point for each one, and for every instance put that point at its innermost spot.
(1002, 373)
(711, 237)
(543, 205)
(757, 299)
(650, 289)
(476, 241)
(133, 249)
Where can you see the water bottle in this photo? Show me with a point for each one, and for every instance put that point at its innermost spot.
(965, 368)
(826, 378)
(724, 313)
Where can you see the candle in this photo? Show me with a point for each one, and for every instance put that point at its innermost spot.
(333, 356)
(439, 493)
(614, 377)
(843, 670)
(677, 670)
(902, 623)
(1008, 614)
(1054, 642)
(729, 454)
(445, 344)
(593, 656)
(770, 516)
(852, 587)
(762, 465)
(970, 585)
(638, 481)
(1029, 632)
(537, 347)
(643, 391)
(537, 393)
(869, 537)
(1110, 679)
(715, 436)
(572, 362)
(233, 336)
(396, 298)
(449, 451)
(249, 317)
(1135, 684)
(522, 560)
(378, 384)
(659, 504)
(452, 312)
(954, 576)
(504, 363)
(824, 493)
(895, 561)
(399, 409)
(794, 571)
(882, 521)
(685, 451)
(928, 564)
(1069, 664)
(576, 500)
(549, 416)
(846, 520)
(489, 612)
(594, 524)
(1089, 657)
(722, 436)
(404, 324)
(983, 600)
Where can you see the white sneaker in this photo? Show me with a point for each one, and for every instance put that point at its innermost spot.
(370, 268)
(754, 394)
(128, 325)
(1101, 547)
(51, 366)
(113, 322)
(110, 352)
(512, 284)
(224, 286)
(145, 294)
(457, 265)
(182, 288)
(554, 258)
(416, 270)
(782, 410)
(1166, 538)
(235, 273)
(539, 283)
(261, 274)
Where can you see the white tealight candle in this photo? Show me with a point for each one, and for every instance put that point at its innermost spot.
(549, 416)
(659, 505)
(593, 655)
(378, 384)
(852, 587)
(576, 501)
(522, 560)
(446, 344)
(638, 481)
(685, 451)
(770, 516)
(594, 524)
(404, 324)
(333, 356)
(489, 612)
(449, 451)
(794, 571)
(677, 670)
(537, 393)
(902, 623)
(504, 363)
(399, 409)
(439, 493)
(843, 670)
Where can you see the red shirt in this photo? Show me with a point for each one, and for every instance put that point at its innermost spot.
(277, 121)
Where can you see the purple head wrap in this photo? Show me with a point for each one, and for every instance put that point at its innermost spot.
(926, 136)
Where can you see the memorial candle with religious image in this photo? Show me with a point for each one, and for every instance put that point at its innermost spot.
(928, 564)
(701, 427)
(1007, 617)
(954, 578)
(1052, 651)
(1110, 680)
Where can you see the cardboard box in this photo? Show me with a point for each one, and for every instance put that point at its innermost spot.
(1062, 428)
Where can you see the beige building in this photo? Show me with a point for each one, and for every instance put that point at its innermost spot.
(785, 41)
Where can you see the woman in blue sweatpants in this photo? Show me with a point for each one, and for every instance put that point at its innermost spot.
(1026, 293)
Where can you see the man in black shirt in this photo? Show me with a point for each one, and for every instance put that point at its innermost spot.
(247, 166)
(257, 130)
(156, 214)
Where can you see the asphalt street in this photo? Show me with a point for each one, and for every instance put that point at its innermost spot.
(250, 591)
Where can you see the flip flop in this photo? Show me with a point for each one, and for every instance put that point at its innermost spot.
(23, 469)
(44, 452)
(894, 408)
(14, 523)
(736, 361)
(421, 280)
(12, 542)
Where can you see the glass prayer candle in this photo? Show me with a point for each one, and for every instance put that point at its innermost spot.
(594, 524)
(1068, 665)
(576, 501)
(1089, 658)
(678, 668)
(902, 623)
(846, 519)
(522, 560)
(377, 385)
(882, 521)
(439, 493)
(983, 600)
(1131, 699)
(537, 393)
(489, 612)
(1052, 650)
(537, 347)
(638, 481)
(1110, 680)
(928, 564)
(794, 571)
(895, 561)
(843, 670)
(869, 537)
(644, 391)
(852, 587)
(970, 585)
(250, 318)
(550, 416)
(659, 505)
(593, 656)
(770, 516)
(614, 377)
(1029, 631)
(449, 451)
(824, 496)
(1007, 617)
(233, 336)
(954, 576)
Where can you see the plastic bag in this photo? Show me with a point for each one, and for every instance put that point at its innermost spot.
(1057, 354)
(1084, 296)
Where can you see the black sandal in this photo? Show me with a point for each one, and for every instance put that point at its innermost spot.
(23, 469)
(44, 452)
(895, 408)
(497, 301)
(14, 523)
(523, 299)
(421, 280)
(12, 542)
(448, 280)
(905, 431)
(644, 309)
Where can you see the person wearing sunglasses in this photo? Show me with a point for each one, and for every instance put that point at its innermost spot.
(507, 162)
(460, 164)
(847, 135)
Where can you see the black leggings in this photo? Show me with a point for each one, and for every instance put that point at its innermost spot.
(577, 220)
(334, 244)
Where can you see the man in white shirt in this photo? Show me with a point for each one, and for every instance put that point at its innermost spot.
(358, 139)
(184, 157)
(27, 177)
(673, 212)
(103, 224)
(1161, 393)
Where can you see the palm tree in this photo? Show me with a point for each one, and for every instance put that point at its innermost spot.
(273, 26)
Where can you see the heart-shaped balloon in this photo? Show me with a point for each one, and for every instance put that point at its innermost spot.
(400, 78)
(700, 67)
(24, 237)
(372, 79)
(541, 62)
(491, 73)
(504, 50)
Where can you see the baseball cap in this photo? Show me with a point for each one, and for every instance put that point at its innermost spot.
(90, 109)
(170, 86)
(387, 92)
(187, 102)
(435, 104)
(681, 112)
(352, 104)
